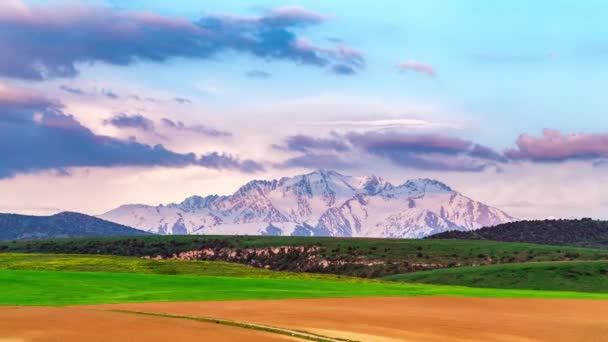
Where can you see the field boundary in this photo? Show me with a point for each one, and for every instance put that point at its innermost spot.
(305, 335)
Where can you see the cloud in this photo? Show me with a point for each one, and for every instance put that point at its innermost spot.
(110, 94)
(412, 65)
(35, 135)
(258, 74)
(553, 146)
(342, 69)
(381, 124)
(422, 151)
(135, 121)
(182, 100)
(72, 90)
(305, 143)
(41, 42)
(317, 161)
(426, 151)
(199, 129)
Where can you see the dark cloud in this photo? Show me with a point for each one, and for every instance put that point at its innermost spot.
(40, 42)
(200, 129)
(135, 121)
(553, 146)
(35, 134)
(426, 151)
(258, 74)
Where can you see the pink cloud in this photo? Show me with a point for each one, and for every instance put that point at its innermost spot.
(419, 67)
(555, 146)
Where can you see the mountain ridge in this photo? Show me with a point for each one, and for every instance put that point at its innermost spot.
(61, 225)
(319, 203)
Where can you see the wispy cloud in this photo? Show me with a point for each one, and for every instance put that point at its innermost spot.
(419, 67)
(199, 129)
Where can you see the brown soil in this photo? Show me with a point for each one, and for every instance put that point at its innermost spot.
(412, 319)
(43, 324)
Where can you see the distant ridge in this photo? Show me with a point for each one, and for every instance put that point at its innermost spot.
(62, 225)
(583, 233)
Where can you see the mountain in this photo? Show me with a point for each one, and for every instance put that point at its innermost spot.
(321, 203)
(62, 225)
(584, 233)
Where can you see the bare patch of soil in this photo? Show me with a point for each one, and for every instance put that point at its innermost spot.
(44, 324)
(413, 318)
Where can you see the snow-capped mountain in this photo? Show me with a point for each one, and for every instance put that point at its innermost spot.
(321, 203)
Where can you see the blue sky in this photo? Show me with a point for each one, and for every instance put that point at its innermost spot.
(523, 81)
(517, 65)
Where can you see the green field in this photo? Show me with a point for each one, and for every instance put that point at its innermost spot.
(66, 288)
(591, 276)
(39, 279)
(119, 264)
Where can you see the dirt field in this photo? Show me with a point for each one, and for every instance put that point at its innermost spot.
(34, 324)
(361, 319)
(413, 318)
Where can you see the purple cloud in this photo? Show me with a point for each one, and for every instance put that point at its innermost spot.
(135, 121)
(72, 90)
(200, 129)
(35, 134)
(317, 161)
(41, 42)
(553, 146)
(305, 143)
(418, 67)
(427, 151)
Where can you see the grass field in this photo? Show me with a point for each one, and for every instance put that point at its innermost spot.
(64, 288)
(591, 276)
(39, 279)
(119, 264)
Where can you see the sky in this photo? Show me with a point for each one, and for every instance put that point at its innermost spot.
(104, 103)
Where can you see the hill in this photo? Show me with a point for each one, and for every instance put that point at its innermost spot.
(62, 225)
(584, 233)
(587, 276)
(344, 256)
(321, 203)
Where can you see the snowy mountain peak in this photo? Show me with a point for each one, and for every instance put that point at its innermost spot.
(194, 203)
(323, 202)
(426, 185)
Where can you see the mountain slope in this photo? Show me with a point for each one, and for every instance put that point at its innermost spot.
(62, 225)
(321, 203)
(584, 233)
